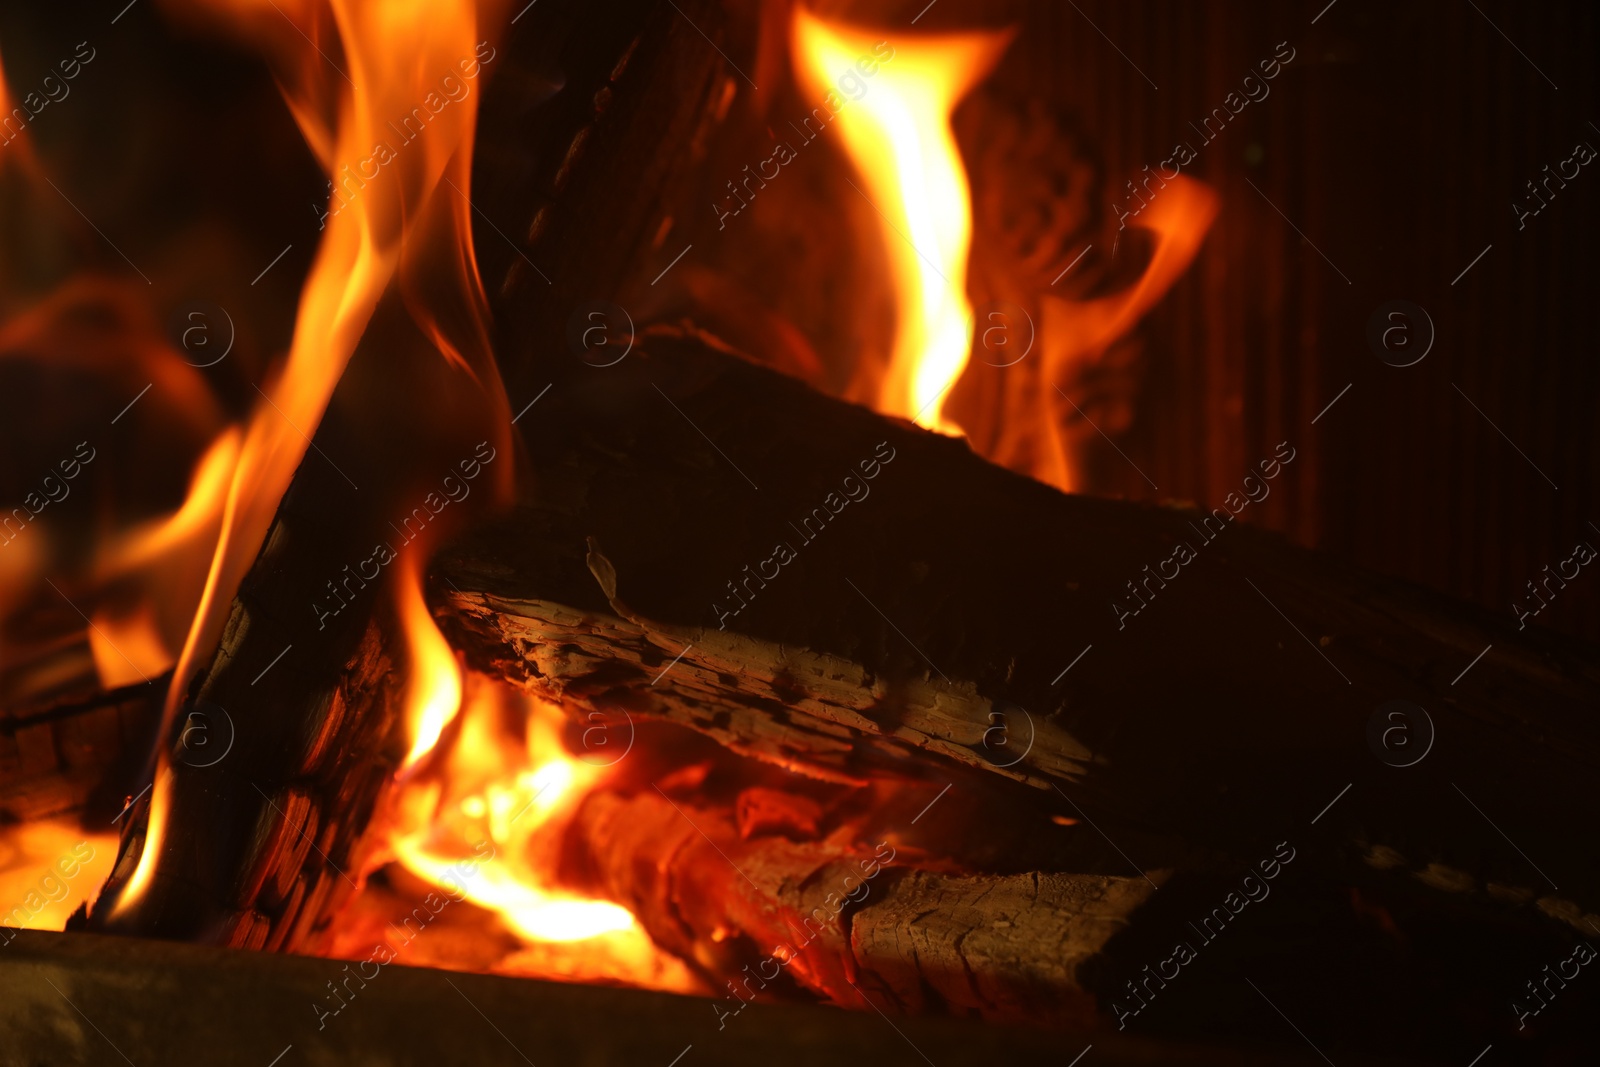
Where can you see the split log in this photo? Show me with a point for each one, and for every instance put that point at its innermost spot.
(692, 553)
(945, 620)
(846, 923)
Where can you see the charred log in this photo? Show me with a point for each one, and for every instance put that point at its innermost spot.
(77, 756)
(713, 545)
(811, 584)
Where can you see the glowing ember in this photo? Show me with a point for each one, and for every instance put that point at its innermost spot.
(899, 138)
(48, 867)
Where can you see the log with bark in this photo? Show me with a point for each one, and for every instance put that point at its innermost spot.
(852, 598)
(835, 591)
(847, 923)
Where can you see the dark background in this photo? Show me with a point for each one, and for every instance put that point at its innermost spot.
(1396, 141)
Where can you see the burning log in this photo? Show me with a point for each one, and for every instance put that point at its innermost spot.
(820, 587)
(854, 599)
(256, 846)
(842, 923)
(930, 657)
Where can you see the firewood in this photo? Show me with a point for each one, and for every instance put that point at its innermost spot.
(1169, 753)
(849, 922)
(984, 620)
(144, 999)
(76, 756)
(950, 621)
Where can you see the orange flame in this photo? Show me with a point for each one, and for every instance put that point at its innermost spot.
(135, 641)
(494, 800)
(434, 688)
(48, 867)
(898, 136)
(389, 57)
(391, 50)
(1074, 333)
(131, 572)
(155, 834)
(349, 69)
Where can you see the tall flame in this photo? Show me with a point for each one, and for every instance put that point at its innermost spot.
(349, 69)
(433, 694)
(898, 136)
(392, 50)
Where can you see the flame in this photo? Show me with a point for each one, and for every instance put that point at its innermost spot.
(134, 572)
(127, 646)
(191, 525)
(391, 50)
(484, 788)
(155, 834)
(1074, 334)
(434, 687)
(481, 818)
(348, 70)
(17, 151)
(898, 136)
(135, 637)
(48, 867)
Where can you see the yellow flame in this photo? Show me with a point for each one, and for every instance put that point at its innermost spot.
(155, 833)
(434, 688)
(134, 642)
(48, 867)
(499, 804)
(193, 524)
(898, 135)
(127, 646)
